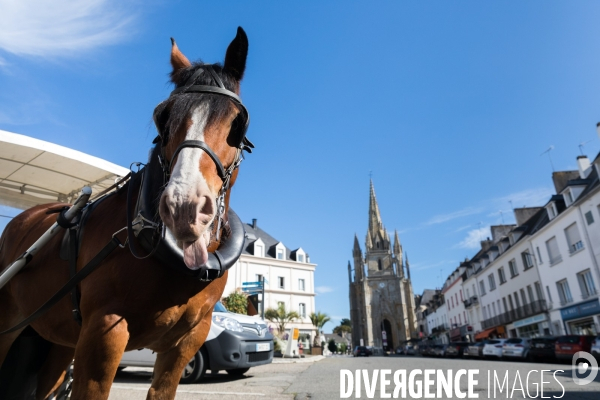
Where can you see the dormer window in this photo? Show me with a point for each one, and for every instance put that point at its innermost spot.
(551, 209)
(280, 251)
(571, 193)
(299, 255)
(259, 248)
(300, 258)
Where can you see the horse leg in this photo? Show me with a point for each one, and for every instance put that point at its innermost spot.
(53, 371)
(170, 364)
(99, 350)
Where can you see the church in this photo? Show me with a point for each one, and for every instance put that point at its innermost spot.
(382, 304)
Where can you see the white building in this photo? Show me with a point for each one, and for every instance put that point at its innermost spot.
(567, 249)
(289, 276)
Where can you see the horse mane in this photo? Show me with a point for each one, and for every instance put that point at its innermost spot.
(172, 113)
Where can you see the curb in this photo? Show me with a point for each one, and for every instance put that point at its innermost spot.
(297, 360)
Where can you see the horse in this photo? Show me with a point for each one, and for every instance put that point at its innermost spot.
(134, 301)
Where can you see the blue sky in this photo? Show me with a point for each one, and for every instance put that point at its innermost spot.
(449, 104)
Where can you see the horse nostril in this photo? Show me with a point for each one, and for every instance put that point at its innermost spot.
(206, 210)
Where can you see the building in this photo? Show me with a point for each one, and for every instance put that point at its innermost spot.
(382, 304)
(289, 277)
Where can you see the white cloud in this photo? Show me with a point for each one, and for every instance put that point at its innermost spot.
(62, 28)
(535, 197)
(323, 289)
(474, 237)
(438, 219)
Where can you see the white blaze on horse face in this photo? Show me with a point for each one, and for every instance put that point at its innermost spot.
(190, 202)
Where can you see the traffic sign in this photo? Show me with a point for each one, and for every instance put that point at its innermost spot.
(252, 284)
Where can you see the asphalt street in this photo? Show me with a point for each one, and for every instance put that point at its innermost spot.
(321, 380)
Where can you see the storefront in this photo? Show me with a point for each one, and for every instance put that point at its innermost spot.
(580, 319)
(530, 327)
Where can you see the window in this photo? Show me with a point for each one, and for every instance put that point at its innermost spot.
(539, 292)
(589, 217)
(280, 254)
(379, 264)
(501, 275)
(302, 310)
(527, 260)
(504, 304)
(553, 253)
(259, 278)
(482, 287)
(564, 293)
(523, 298)
(530, 293)
(570, 197)
(258, 250)
(586, 283)
(494, 309)
(573, 238)
(301, 284)
(551, 209)
(549, 294)
(512, 265)
(539, 255)
(517, 300)
(281, 281)
(492, 282)
(300, 257)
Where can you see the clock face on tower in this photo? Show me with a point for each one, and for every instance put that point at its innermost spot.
(382, 285)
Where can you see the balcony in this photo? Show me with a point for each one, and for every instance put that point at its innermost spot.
(525, 311)
(467, 303)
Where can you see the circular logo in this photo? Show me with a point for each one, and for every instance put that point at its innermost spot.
(589, 365)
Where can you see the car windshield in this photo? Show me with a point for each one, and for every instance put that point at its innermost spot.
(219, 307)
(515, 340)
(493, 342)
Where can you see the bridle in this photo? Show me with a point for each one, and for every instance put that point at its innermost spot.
(241, 142)
(143, 221)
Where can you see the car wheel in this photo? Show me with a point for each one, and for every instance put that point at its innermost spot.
(195, 369)
(237, 371)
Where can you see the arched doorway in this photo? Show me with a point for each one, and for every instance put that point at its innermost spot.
(387, 338)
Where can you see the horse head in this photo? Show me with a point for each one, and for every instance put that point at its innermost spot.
(202, 134)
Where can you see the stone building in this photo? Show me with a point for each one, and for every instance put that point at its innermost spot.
(382, 305)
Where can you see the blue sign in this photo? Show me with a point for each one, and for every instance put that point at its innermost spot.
(252, 290)
(252, 284)
(581, 310)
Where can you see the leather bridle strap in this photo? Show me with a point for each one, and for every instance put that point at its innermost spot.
(198, 144)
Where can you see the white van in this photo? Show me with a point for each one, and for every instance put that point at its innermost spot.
(235, 343)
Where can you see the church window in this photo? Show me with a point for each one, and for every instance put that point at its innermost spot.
(377, 244)
(379, 261)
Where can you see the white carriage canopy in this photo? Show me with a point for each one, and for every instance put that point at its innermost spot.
(34, 171)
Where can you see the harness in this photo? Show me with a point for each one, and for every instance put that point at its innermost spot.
(147, 227)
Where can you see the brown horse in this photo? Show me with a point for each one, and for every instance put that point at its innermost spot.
(129, 302)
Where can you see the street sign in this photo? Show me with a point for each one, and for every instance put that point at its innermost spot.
(252, 290)
(259, 284)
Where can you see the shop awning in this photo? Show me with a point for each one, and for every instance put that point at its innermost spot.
(484, 334)
(33, 171)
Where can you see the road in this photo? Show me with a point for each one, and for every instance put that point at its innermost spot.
(321, 380)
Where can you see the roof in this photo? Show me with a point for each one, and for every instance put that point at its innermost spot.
(34, 171)
(253, 233)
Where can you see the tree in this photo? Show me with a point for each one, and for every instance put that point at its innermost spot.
(236, 302)
(342, 328)
(281, 317)
(346, 322)
(318, 320)
(332, 346)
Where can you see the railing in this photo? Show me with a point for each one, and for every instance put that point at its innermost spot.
(467, 303)
(576, 246)
(525, 311)
(555, 260)
(589, 293)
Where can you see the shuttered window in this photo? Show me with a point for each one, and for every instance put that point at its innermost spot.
(573, 238)
(553, 253)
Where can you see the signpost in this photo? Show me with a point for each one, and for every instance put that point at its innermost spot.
(257, 287)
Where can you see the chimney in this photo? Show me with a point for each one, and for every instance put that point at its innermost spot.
(584, 164)
(253, 223)
(524, 213)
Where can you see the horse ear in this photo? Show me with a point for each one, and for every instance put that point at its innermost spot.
(178, 60)
(235, 58)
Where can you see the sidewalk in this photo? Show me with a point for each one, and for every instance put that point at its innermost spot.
(306, 359)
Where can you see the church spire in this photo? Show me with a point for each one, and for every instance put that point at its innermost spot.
(397, 245)
(407, 267)
(374, 217)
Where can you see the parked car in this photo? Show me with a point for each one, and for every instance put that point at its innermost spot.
(595, 350)
(493, 348)
(399, 350)
(410, 350)
(235, 343)
(542, 348)
(425, 350)
(476, 349)
(439, 350)
(457, 349)
(516, 348)
(361, 351)
(568, 345)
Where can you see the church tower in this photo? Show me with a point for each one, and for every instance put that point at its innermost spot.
(381, 298)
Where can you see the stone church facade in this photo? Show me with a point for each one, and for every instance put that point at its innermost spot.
(382, 304)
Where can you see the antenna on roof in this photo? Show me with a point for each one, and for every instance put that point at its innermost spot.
(511, 205)
(502, 216)
(581, 146)
(550, 158)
